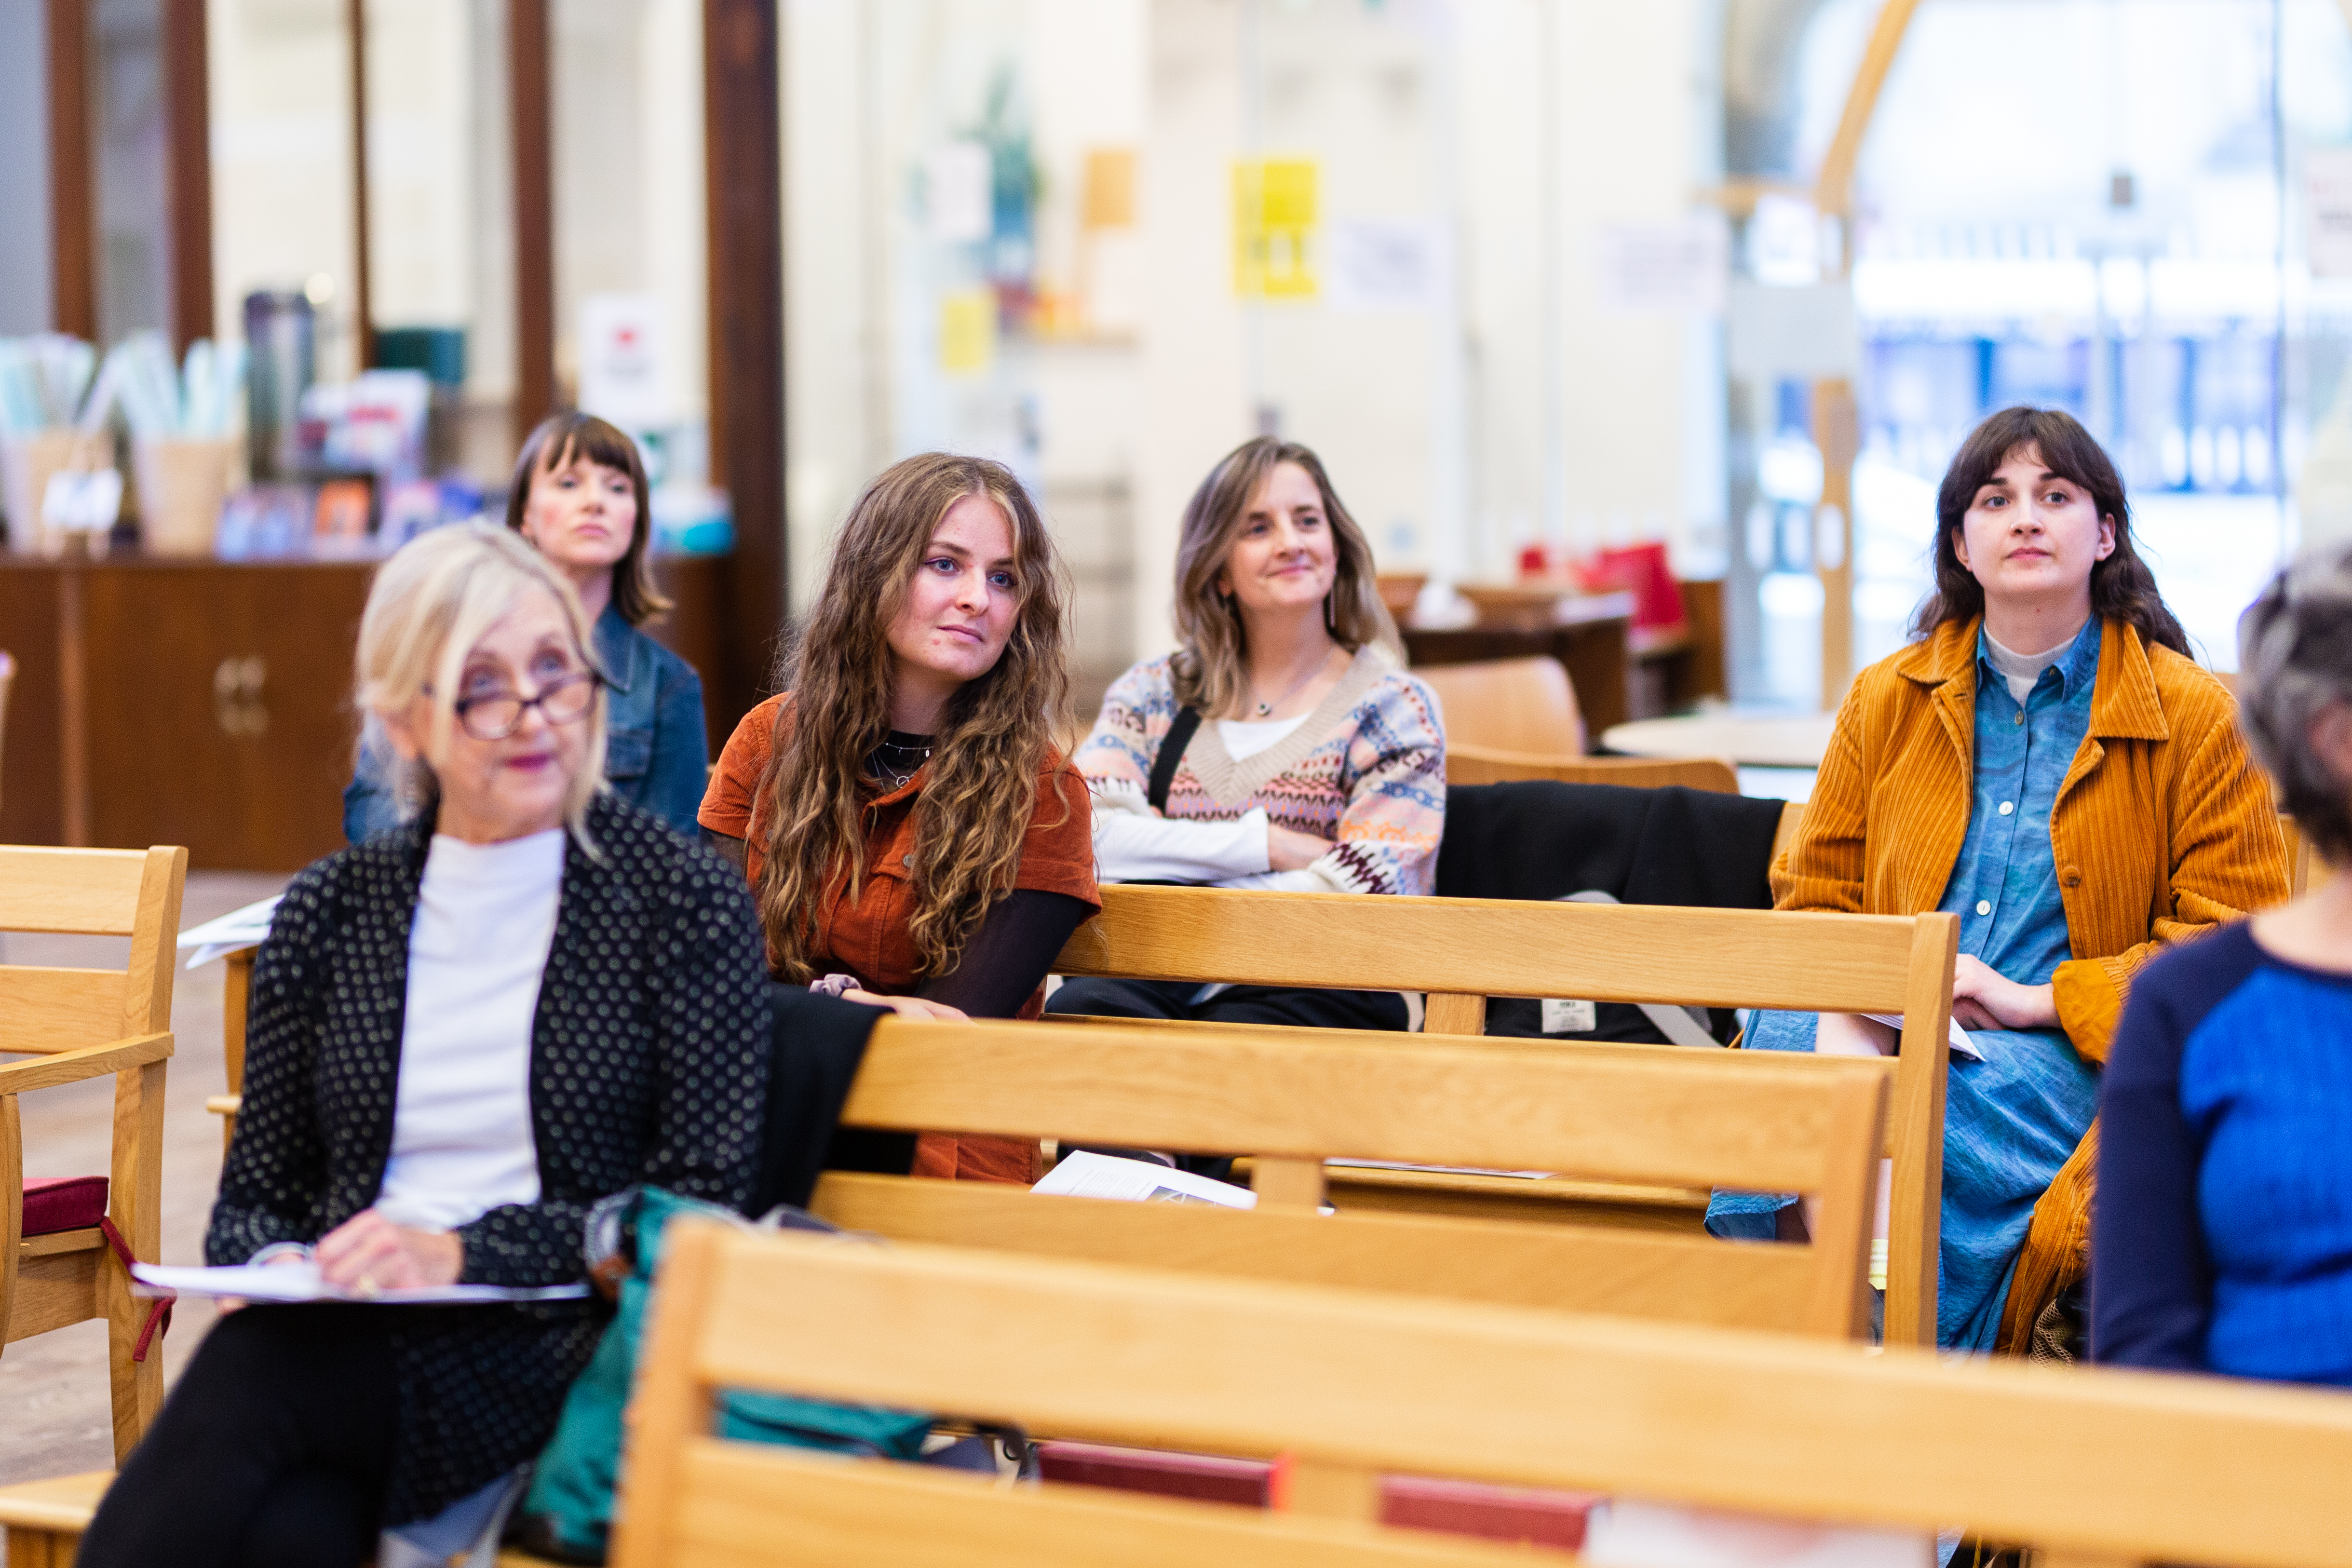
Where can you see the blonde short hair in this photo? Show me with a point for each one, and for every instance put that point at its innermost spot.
(430, 603)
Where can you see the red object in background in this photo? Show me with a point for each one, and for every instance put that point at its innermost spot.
(1642, 570)
(1201, 1477)
(1497, 1513)
(1459, 1508)
(1534, 561)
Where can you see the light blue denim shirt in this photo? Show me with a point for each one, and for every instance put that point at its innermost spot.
(2012, 1120)
(657, 752)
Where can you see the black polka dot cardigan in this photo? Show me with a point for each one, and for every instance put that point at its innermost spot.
(648, 1064)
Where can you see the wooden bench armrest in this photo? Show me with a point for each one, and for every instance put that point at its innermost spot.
(84, 1062)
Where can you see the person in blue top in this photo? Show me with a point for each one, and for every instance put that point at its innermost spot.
(580, 496)
(2223, 1241)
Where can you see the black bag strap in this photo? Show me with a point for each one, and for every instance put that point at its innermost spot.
(1172, 751)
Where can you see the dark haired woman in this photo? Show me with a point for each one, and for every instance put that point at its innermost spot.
(580, 496)
(915, 838)
(2048, 763)
(1281, 746)
(2223, 1241)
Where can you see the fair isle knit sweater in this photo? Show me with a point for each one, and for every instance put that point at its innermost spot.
(1365, 770)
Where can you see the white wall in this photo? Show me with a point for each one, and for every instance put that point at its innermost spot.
(26, 304)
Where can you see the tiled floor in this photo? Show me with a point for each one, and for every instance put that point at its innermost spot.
(54, 1418)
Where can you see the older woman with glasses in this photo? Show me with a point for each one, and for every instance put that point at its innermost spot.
(463, 1034)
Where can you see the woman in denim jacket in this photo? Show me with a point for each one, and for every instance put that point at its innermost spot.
(580, 496)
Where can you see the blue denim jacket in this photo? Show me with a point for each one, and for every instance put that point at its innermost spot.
(2012, 1120)
(656, 753)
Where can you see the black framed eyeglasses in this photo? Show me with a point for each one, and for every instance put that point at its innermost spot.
(495, 715)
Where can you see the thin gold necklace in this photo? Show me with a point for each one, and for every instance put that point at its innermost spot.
(1263, 709)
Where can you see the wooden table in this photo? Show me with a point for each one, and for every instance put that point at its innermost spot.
(1754, 740)
(206, 703)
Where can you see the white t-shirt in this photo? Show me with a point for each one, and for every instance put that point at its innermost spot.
(461, 1136)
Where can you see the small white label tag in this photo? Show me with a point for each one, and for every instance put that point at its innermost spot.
(1569, 1017)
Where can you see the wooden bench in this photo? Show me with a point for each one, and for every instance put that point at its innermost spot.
(1294, 1101)
(1462, 950)
(2086, 1466)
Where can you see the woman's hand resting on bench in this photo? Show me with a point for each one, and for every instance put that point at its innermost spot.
(914, 1008)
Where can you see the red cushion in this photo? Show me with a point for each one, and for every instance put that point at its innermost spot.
(63, 1203)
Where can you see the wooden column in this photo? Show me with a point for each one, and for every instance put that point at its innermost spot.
(188, 170)
(529, 98)
(1834, 415)
(73, 192)
(743, 159)
(362, 298)
(1837, 433)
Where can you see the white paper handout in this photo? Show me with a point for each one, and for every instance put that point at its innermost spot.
(289, 1282)
(1083, 1173)
(1961, 1044)
(1630, 1532)
(236, 930)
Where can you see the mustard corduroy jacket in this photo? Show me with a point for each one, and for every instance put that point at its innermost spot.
(2163, 830)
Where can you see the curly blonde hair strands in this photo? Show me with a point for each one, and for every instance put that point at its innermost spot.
(980, 787)
(1207, 670)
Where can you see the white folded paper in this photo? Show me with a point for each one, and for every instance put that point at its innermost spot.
(291, 1282)
(1084, 1175)
(1961, 1044)
(238, 929)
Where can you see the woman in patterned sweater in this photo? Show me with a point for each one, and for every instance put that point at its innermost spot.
(1281, 747)
(465, 1033)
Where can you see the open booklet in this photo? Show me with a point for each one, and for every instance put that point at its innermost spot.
(1081, 1173)
(1961, 1044)
(290, 1282)
(238, 929)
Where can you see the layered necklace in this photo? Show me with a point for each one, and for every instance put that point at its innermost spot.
(898, 758)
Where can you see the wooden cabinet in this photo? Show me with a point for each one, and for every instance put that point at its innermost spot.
(206, 703)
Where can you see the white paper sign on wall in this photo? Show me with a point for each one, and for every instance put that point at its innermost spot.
(2327, 202)
(1681, 267)
(958, 192)
(1386, 264)
(623, 355)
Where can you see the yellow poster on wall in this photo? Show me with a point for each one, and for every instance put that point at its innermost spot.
(968, 330)
(1274, 227)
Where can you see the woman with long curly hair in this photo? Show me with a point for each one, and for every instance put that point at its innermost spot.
(914, 837)
(2049, 763)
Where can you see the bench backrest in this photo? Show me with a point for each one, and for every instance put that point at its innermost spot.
(1294, 1100)
(89, 892)
(1472, 764)
(1462, 950)
(2081, 1463)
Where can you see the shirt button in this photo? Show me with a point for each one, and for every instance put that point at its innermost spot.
(907, 861)
(2007, 806)
(2071, 877)
(2020, 719)
(1983, 906)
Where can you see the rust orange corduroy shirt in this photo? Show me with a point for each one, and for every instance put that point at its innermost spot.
(2162, 830)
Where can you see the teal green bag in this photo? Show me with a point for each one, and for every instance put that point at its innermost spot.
(568, 1514)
